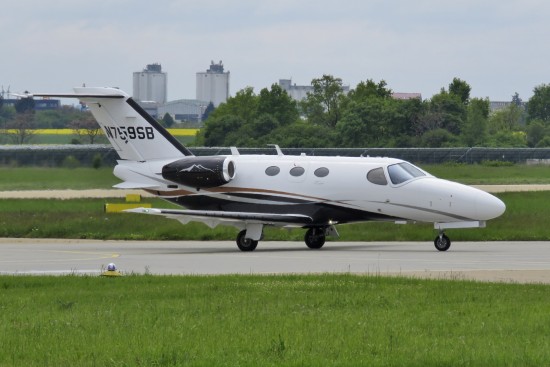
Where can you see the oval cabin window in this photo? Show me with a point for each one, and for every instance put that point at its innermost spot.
(321, 172)
(297, 171)
(272, 171)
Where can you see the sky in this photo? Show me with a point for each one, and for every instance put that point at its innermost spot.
(499, 47)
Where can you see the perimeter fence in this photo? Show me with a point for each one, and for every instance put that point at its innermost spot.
(88, 155)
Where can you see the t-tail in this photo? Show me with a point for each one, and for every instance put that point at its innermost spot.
(135, 135)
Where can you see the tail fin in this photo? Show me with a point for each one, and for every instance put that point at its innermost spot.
(134, 134)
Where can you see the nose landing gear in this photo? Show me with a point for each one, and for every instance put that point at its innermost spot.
(315, 238)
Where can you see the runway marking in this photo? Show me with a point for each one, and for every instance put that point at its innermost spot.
(98, 256)
(54, 272)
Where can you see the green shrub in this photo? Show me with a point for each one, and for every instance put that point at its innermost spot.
(71, 161)
(97, 161)
(497, 163)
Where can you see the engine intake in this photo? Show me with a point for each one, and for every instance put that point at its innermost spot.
(200, 172)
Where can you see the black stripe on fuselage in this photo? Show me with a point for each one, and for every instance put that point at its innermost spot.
(321, 213)
(275, 198)
(158, 127)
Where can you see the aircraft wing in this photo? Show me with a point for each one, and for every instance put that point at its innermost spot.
(213, 217)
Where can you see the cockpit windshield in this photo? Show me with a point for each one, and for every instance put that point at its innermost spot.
(402, 172)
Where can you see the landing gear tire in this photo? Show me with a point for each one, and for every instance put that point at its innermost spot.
(442, 242)
(245, 244)
(315, 238)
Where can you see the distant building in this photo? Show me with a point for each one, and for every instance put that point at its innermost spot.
(499, 105)
(39, 104)
(404, 96)
(150, 84)
(299, 92)
(296, 92)
(183, 110)
(213, 84)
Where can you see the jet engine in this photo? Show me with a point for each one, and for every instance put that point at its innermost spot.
(200, 172)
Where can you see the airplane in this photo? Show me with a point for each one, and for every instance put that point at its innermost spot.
(250, 192)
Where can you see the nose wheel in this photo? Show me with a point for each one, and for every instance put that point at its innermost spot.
(315, 238)
(442, 242)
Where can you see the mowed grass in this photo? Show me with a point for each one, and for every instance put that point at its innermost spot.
(49, 178)
(526, 218)
(480, 174)
(294, 320)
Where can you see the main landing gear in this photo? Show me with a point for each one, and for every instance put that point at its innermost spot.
(315, 239)
(442, 242)
(245, 244)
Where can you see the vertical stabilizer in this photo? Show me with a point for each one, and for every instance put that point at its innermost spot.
(134, 134)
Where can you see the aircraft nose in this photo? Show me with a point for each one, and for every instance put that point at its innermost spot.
(489, 206)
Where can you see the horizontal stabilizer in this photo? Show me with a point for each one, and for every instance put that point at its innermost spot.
(133, 185)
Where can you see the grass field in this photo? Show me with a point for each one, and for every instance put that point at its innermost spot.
(526, 218)
(479, 174)
(291, 320)
(44, 178)
(295, 320)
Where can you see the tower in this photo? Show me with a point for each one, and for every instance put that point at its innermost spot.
(213, 85)
(150, 85)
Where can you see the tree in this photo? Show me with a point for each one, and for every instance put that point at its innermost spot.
(217, 130)
(507, 119)
(209, 109)
(277, 103)
(322, 105)
(516, 100)
(364, 124)
(538, 106)
(56, 119)
(86, 127)
(303, 134)
(369, 89)
(444, 111)
(243, 105)
(168, 120)
(20, 130)
(536, 132)
(461, 89)
(438, 138)
(474, 131)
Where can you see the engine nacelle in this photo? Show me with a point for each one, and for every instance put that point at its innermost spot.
(200, 172)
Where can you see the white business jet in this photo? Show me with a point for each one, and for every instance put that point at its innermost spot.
(253, 191)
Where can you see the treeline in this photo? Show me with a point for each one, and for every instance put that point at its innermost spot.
(18, 122)
(368, 116)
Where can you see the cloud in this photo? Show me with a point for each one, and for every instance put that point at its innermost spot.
(496, 46)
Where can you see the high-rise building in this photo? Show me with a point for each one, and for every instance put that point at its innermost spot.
(213, 84)
(150, 85)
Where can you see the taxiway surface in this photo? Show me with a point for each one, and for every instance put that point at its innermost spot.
(491, 261)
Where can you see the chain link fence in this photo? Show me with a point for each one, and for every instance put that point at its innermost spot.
(88, 155)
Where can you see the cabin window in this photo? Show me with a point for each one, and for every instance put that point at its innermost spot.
(272, 171)
(321, 172)
(297, 171)
(402, 172)
(377, 177)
